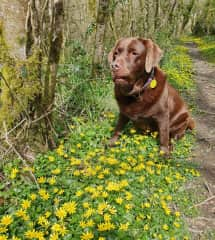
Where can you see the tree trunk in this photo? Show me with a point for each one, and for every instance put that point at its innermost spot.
(12, 15)
(157, 15)
(101, 23)
(186, 15)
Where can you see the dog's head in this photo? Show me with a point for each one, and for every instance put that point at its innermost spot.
(131, 59)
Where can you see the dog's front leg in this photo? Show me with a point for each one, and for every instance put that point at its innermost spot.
(163, 126)
(122, 121)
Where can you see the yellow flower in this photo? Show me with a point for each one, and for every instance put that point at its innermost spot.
(165, 227)
(33, 196)
(70, 207)
(176, 224)
(119, 200)
(101, 238)
(90, 223)
(54, 236)
(47, 214)
(106, 226)
(60, 229)
(128, 207)
(3, 237)
(56, 171)
(112, 210)
(43, 221)
(51, 158)
(107, 217)
(89, 212)
(41, 180)
(82, 224)
(52, 180)
(14, 173)
(6, 220)
(132, 131)
(22, 213)
(61, 213)
(3, 229)
(78, 145)
(44, 194)
(15, 238)
(34, 234)
(146, 227)
(146, 205)
(86, 205)
(128, 196)
(26, 204)
(87, 236)
(61, 191)
(56, 227)
(72, 150)
(123, 226)
(79, 193)
(177, 214)
(141, 179)
(167, 211)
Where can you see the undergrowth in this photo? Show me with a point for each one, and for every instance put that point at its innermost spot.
(86, 191)
(89, 192)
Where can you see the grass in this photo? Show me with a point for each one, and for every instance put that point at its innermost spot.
(89, 192)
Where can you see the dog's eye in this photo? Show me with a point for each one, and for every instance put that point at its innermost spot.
(134, 53)
(115, 53)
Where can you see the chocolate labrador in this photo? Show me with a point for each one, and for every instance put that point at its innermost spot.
(143, 94)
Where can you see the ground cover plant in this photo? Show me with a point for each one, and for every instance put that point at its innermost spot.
(86, 191)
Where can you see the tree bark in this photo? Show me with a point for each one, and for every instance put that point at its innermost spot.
(186, 14)
(12, 15)
(101, 23)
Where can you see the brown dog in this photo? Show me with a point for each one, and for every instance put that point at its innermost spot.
(143, 94)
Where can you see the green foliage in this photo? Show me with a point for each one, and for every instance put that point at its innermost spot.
(19, 84)
(130, 189)
(178, 66)
(83, 95)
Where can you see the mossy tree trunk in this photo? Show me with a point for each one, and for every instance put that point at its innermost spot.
(28, 85)
(101, 23)
(12, 15)
(46, 38)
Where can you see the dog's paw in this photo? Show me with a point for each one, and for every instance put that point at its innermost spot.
(165, 151)
(112, 142)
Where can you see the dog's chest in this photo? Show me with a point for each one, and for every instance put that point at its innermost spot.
(134, 112)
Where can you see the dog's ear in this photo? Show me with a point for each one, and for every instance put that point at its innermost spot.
(153, 54)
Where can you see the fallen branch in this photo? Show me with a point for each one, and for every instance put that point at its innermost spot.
(19, 155)
(205, 201)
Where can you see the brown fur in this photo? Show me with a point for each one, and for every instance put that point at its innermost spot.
(132, 60)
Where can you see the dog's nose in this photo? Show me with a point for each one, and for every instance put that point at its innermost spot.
(115, 66)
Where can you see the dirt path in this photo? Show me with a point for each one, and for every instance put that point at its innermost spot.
(205, 150)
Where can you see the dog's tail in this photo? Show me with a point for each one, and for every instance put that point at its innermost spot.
(191, 124)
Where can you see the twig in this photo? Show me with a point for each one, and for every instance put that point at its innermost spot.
(206, 200)
(211, 113)
(18, 154)
(208, 188)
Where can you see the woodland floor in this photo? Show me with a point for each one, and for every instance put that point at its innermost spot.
(203, 226)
